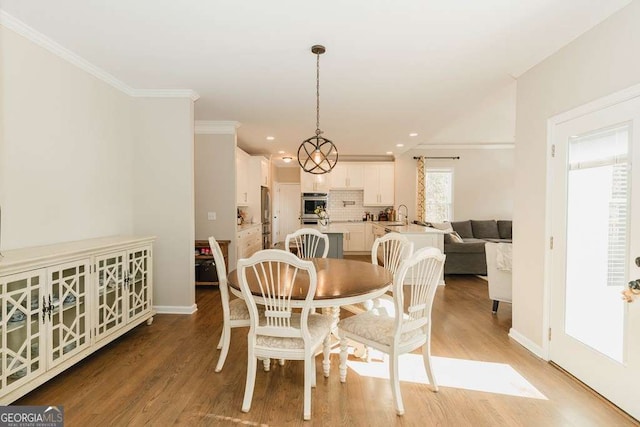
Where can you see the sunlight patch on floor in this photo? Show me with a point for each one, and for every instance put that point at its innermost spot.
(488, 377)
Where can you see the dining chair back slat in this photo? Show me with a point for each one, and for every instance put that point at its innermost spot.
(309, 243)
(390, 250)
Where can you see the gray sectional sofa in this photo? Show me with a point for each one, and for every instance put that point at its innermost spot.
(469, 257)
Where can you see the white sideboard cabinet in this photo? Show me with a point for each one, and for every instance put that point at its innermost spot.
(60, 303)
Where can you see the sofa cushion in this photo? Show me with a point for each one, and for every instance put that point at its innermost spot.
(485, 229)
(469, 246)
(463, 228)
(504, 229)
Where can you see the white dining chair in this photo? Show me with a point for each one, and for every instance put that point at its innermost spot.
(409, 329)
(387, 251)
(310, 243)
(235, 313)
(282, 333)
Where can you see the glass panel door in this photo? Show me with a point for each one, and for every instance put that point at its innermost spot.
(595, 224)
(69, 320)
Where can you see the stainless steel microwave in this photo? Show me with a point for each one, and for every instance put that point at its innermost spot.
(310, 201)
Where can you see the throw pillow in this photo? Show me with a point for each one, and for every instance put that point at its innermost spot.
(455, 237)
(485, 229)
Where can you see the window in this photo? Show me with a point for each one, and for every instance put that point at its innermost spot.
(439, 194)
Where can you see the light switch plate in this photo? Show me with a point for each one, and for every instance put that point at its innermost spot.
(211, 216)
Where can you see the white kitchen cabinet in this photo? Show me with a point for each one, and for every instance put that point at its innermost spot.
(310, 183)
(368, 236)
(377, 231)
(242, 178)
(50, 300)
(379, 184)
(265, 167)
(354, 239)
(347, 176)
(248, 241)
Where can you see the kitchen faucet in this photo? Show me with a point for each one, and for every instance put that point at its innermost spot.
(406, 214)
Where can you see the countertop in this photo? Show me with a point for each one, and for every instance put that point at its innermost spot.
(391, 226)
(412, 229)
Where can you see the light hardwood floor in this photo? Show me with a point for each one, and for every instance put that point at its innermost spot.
(163, 375)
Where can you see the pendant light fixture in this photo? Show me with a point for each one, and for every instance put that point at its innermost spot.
(317, 155)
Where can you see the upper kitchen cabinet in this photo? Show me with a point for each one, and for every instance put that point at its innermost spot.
(242, 177)
(347, 176)
(311, 183)
(258, 174)
(265, 167)
(379, 184)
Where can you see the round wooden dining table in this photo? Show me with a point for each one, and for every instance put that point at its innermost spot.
(340, 282)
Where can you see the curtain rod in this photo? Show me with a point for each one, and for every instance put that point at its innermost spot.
(426, 157)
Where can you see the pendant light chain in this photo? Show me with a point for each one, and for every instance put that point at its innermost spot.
(318, 131)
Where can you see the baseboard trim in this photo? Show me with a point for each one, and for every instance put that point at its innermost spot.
(175, 309)
(527, 343)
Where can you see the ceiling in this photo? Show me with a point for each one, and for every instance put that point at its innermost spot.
(391, 68)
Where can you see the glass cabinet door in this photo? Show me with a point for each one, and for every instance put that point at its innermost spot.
(139, 267)
(22, 327)
(110, 302)
(67, 309)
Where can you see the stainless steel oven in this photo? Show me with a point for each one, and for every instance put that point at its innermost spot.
(310, 201)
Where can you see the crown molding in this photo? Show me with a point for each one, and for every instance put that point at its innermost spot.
(481, 146)
(216, 127)
(19, 27)
(165, 93)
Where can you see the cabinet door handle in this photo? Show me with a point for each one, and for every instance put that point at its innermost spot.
(50, 308)
(44, 308)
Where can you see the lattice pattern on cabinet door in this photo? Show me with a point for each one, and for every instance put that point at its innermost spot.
(110, 271)
(21, 328)
(69, 319)
(139, 298)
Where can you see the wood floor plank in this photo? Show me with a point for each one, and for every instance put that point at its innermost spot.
(163, 374)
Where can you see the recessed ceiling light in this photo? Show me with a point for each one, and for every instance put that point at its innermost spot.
(271, 138)
(389, 152)
(413, 134)
(399, 145)
(281, 152)
(287, 159)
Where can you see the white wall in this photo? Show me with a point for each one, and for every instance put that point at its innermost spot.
(66, 167)
(81, 159)
(286, 174)
(215, 169)
(483, 181)
(491, 120)
(164, 196)
(602, 61)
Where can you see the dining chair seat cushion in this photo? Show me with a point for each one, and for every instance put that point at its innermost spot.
(238, 309)
(319, 325)
(376, 327)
